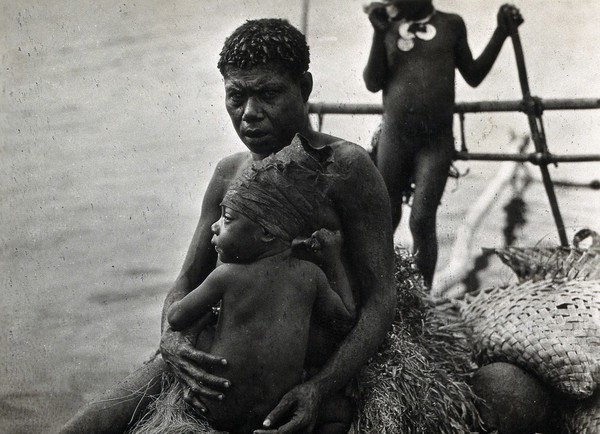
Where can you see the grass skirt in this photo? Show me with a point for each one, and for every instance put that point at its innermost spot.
(415, 384)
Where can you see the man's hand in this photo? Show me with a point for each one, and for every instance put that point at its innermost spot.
(296, 412)
(378, 16)
(189, 364)
(506, 15)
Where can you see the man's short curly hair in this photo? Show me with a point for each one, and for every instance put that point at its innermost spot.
(266, 41)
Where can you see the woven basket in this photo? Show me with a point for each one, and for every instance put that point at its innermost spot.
(549, 327)
(537, 263)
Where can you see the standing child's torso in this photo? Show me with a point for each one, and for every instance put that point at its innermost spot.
(421, 73)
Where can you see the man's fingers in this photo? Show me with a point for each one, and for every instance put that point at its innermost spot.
(192, 400)
(201, 383)
(282, 409)
(202, 358)
(197, 376)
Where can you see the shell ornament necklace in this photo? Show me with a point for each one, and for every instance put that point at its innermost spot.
(409, 30)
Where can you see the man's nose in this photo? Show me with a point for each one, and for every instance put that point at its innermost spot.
(252, 110)
(215, 227)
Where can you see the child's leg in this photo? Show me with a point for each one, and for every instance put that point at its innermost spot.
(117, 408)
(394, 161)
(336, 415)
(433, 161)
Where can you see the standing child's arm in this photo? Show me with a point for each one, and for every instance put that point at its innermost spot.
(474, 71)
(200, 301)
(375, 73)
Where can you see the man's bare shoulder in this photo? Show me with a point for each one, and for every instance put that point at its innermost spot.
(351, 159)
(229, 166)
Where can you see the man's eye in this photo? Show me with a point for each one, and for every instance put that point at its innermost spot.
(270, 94)
(235, 97)
(227, 218)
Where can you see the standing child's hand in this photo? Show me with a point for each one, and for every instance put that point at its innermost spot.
(506, 15)
(378, 16)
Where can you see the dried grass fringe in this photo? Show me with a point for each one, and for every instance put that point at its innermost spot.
(417, 382)
(169, 413)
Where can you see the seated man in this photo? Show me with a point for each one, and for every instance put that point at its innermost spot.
(267, 85)
(266, 294)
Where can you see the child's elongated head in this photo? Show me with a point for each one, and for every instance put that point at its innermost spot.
(285, 191)
(266, 41)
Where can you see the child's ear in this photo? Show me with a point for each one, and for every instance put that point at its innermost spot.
(306, 86)
(266, 236)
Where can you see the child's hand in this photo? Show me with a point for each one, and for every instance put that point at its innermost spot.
(507, 15)
(322, 246)
(378, 16)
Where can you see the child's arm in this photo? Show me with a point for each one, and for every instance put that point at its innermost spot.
(474, 71)
(334, 298)
(334, 294)
(375, 73)
(200, 301)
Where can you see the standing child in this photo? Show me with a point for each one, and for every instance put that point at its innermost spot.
(267, 296)
(413, 57)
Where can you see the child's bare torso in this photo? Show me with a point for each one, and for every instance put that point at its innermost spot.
(263, 332)
(419, 91)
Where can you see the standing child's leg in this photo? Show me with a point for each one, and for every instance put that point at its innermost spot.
(394, 161)
(116, 409)
(432, 164)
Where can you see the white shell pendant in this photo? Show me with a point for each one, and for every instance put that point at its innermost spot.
(403, 30)
(428, 34)
(405, 44)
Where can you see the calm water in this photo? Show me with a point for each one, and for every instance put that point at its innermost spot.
(112, 121)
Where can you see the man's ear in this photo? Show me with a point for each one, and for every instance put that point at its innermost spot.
(306, 85)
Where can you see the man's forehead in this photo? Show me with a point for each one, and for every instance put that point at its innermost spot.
(260, 74)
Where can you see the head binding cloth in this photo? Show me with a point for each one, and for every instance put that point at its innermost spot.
(266, 41)
(284, 192)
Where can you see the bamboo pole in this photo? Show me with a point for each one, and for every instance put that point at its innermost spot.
(323, 108)
(537, 158)
(304, 17)
(536, 125)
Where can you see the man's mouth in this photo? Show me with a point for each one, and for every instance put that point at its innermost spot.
(254, 133)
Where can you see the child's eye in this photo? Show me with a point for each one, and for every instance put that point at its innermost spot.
(227, 218)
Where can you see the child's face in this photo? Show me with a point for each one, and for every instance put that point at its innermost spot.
(412, 8)
(237, 238)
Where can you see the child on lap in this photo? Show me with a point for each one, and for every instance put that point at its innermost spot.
(267, 295)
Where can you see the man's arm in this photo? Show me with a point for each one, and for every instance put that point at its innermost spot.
(375, 72)
(362, 202)
(474, 71)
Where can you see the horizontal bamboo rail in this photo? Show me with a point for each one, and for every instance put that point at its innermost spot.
(537, 158)
(321, 108)
(533, 104)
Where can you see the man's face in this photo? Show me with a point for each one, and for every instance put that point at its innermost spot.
(266, 107)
